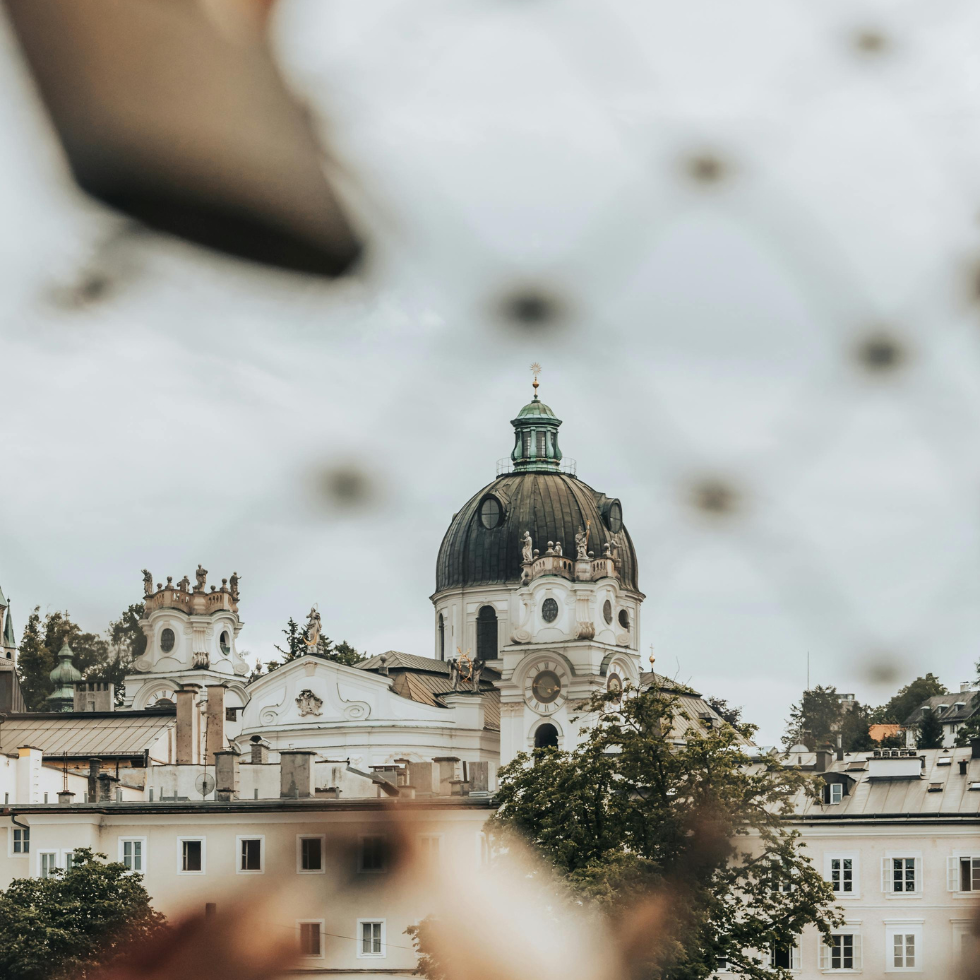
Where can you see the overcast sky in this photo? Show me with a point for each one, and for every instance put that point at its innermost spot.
(705, 337)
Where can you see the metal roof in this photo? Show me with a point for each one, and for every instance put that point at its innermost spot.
(551, 506)
(869, 796)
(85, 734)
(951, 713)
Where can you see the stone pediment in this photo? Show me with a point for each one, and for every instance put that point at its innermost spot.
(313, 692)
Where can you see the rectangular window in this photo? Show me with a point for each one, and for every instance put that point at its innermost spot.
(371, 937)
(69, 861)
(903, 950)
(310, 855)
(250, 855)
(310, 938)
(836, 792)
(47, 862)
(372, 854)
(482, 849)
(842, 874)
(21, 842)
(191, 855)
(784, 957)
(969, 874)
(902, 874)
(131, 851)
(842, 952)
(429, 847)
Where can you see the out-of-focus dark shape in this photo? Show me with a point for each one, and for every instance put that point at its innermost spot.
(345, 486)
(869, 41)
(715, 497)
(880, 353)
(706, 168)
(172, 117)
(114, 263)
(531, 308)
(234, 943)
(880, 668)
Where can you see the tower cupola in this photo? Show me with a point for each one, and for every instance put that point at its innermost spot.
(536, 437)
(65, 676)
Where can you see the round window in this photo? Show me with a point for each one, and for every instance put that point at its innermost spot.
(549, 610)
(614, 685)
(225, 643)
(607, 612)
(614, 517)
(491, 513)
(546, 686)
(167, 640)
(624, 619)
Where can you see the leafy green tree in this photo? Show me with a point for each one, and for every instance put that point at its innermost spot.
(630, 812)
(930, 734)
(821, 716)
(910, 697)
(34, 662)
(295, 641)
(296, 646)
(74, 923)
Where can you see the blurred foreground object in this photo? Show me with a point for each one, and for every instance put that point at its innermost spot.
(174, 113)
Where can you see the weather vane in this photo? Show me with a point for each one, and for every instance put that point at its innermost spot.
(535, 370)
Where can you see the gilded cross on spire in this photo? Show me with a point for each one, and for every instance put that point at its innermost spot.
(535, 370)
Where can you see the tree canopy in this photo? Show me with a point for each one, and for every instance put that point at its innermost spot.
(630, 812)
(73, 923)
(900, 707)
(930, 734)
(821, 715)
(296, 646)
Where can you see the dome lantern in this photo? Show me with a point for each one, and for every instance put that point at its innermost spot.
(536, 437)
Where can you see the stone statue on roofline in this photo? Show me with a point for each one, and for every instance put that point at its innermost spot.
(582, 543)
(147, 582)
(527, 547)
(202, 578)
(233, 582)
(478, 666)
(184, 584)
(313, 628)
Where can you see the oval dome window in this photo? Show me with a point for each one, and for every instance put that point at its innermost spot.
(624, 619)
(607, 612)
(167, 640)
(614, 517)
(491, 513)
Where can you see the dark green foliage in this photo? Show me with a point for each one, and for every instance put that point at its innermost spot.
(821, 716)
(902, 705)
(97, 658)
(631, 812)
(429, 965)
(971, 728)
(74, 923)
(930, 734)
(296, 646)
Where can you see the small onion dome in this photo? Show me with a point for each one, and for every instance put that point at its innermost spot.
(483, 543)
(65, 676)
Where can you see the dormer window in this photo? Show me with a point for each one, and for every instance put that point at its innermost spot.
(835, 793)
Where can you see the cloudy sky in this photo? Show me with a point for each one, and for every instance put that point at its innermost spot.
(758, 237)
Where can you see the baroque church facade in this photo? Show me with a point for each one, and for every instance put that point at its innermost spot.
(536, 607)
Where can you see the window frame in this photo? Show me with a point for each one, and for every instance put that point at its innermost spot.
(122, 841)
(321, 926)
(854, 858)
(903, 927)
(361, 955)
(482, 849)
(204, 854)
(300, 870)
(68, 857)
(888, 874)
(239, 856)
(954, 874)
(24, 852)
(794, 957)
(438, 850)
(40, 860)
(825, 958)
(361, 838)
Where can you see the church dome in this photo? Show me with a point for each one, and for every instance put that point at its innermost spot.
(483, 543)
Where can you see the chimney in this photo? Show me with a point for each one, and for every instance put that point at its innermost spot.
(65, 797)
(467, 708)
(825, 759)
(975, 748)
(383, 668)
(105, 782)
(226, 775)
(260, 751)
(840, 749)
(94, 765)
(186, 725)
(479, 777)
(964, 763)
(422, 778)
(28, 774)
(215, 715)
(966, 687)
(447, 773)
(296, 774)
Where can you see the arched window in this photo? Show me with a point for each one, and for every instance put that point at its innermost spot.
(442, 637)
(225, 643)
(486, 633)
(546, 737)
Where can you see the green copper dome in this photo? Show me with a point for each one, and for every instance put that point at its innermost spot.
(536, 408)
(536, 439)
(65, 676)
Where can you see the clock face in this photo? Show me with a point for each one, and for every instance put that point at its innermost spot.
(544, 692)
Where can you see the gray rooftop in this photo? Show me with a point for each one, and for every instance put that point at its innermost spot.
(945, 708)
(85, 734)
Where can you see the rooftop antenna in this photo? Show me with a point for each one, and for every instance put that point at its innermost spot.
(535, 370)
(808, 670)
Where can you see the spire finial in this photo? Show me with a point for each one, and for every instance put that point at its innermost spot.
(535, 370)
